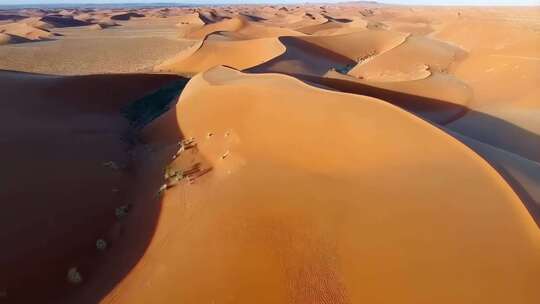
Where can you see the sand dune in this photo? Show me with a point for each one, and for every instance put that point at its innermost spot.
(10, 17)
(359, 45)
(63, 21)
(303, 58)
(423, 56)
(439, 98)
(212, 16)
(25, 32)
(294, 235)
(66, 142)
(521, 173)
(9, 39)
(237, 54)
(410, 27)
(240, 28)
(317, 153)
(191, 19)
(332, 27)
(126, 16)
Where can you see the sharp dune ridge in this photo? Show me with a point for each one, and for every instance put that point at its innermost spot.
(340, 153)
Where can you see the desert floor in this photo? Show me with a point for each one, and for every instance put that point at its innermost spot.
(357, 153)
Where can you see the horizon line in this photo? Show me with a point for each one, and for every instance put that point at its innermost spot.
(248, 2)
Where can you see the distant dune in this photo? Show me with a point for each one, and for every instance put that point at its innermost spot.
(329, 153)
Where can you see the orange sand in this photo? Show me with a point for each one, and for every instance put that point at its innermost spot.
(354, 153)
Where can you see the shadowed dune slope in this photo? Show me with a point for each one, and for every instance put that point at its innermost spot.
(58, 196)
(11, 39)
(126, 16)
(521, 173)
(63, 21)
(360, 44)
(439, 98)
(479, 126)
(504, 77)
(303, 58)
(339, 196)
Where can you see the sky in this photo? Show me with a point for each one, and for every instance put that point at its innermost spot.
(442, 2)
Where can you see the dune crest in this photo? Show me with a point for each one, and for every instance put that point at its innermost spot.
(240, 28)
(272, 223)
(240, 54)
(23, 32)
(303, 153)
(423, 56)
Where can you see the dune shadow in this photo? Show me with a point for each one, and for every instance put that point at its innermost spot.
(211, 17)
(434, 110)
(11, 17)
(138, 233)
(252, 17)
(302, 57)
(531, 203)
(127, 16)
(339, 20)
(499, 133)
(77, 202)
(60, 21)
(516, 173)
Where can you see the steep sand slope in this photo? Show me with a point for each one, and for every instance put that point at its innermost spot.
(303, 58)
(191, 19)
(25, 31)
(11, 39)
(319, 196)
(242, 28)
(316, 55)
(503, 74)
(521, 173)
(489, 126)
(333, 27)
(325, 60)
(290, 194)
(57, 196)
(360, 44)
(414, 59)
(440, 98)
(240, 54)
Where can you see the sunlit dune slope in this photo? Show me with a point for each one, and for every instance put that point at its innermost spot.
(241, 28)
(440, 98)
(333, 27)
(321, 196)
(521, 173)
(502, 70)
(320, 153)
(240, 54)
(191, 19)
(25, 32)
(414, 59)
